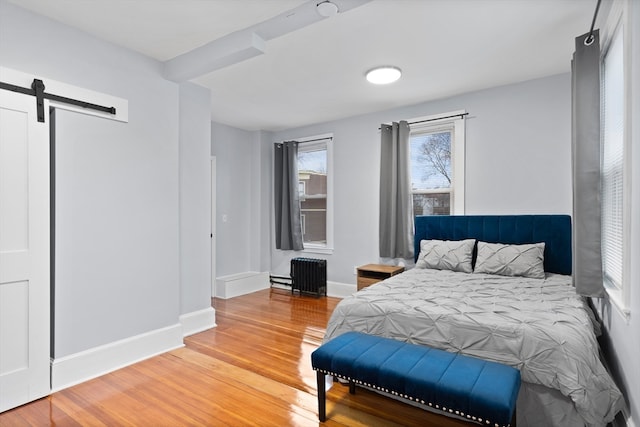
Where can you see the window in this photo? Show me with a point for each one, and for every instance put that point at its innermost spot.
(613, 161)
(437, 165)
(314, 186)
(614, 205)
(431, 172)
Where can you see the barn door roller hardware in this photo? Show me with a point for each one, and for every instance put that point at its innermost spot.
(37, 90)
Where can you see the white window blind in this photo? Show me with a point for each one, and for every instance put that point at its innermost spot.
(613, 162)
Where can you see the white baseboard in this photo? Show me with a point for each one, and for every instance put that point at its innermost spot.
(76, 368)
(340, 290)
(244, 283)
(334, 289)
(241, 284)
(198, 321)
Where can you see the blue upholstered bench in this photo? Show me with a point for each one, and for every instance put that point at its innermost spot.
(465, 387)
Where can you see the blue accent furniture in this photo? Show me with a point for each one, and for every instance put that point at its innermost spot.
(554, 230)
(462, 386)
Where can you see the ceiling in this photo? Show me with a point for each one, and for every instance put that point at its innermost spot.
(277, 64)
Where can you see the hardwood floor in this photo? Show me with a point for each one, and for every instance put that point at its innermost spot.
(253, 369)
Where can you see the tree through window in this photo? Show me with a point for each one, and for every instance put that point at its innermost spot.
(431, 172)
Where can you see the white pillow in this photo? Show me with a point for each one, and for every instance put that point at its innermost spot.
(511, 260)
(454, 255)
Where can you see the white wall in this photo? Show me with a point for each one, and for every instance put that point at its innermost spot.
(234, 151)
(119, 199)
(261, 215)
(195, 198)
(116, 234)
(518, 160)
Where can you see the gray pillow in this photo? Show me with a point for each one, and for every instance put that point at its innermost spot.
(511, 260)
(454, 255)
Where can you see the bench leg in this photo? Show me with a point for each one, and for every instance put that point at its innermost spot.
(322, 409)
(352, 387)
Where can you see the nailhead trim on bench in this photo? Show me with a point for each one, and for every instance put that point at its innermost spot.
(420, 401)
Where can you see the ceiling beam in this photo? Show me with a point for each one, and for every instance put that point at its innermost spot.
(220, 53)
(248, 43)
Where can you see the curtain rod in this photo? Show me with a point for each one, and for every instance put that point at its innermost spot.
(315, 140)
(589, 38)
(309, 140)
(461, 115)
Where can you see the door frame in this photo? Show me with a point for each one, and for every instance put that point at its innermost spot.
(213, 225)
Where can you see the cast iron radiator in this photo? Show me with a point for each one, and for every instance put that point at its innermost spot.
(309, 275)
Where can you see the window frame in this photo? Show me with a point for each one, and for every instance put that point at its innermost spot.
(327, 141)
(455, 122)
(302, 186)
(617, 24)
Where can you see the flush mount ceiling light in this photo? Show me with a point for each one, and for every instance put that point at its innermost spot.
(327, 9)
(383, 75)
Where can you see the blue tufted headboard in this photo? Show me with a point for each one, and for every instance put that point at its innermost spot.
(554, 230)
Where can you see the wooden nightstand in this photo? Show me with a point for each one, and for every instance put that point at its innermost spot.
(374, 273)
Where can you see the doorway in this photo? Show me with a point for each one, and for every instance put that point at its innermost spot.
(213, 226)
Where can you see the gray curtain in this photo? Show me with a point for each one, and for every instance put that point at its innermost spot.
(585, 147)
(287, 198)
(396, 215)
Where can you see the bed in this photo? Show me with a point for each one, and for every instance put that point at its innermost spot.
(533, 321)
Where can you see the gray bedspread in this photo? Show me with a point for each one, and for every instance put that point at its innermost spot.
(538, 326)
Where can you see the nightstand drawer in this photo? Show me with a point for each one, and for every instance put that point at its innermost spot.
(363, 282)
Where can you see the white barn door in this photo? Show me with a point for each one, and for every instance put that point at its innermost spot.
(24, 252)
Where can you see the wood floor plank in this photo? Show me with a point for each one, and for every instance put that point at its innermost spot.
(253, 369)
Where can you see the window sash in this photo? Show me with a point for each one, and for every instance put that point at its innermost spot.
(433, 191)
(320, 143)
(437, 203)
(441, 174)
